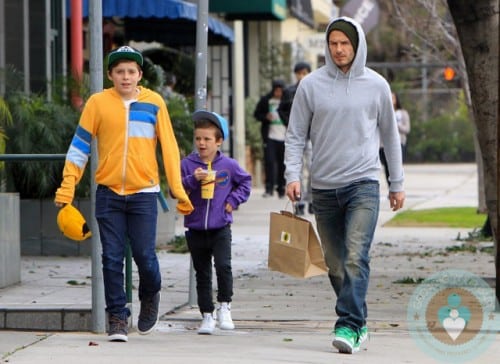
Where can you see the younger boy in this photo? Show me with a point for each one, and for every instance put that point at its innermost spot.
(127, 122)
(208, 231)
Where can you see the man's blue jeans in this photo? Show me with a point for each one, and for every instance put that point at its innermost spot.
(127, 218)
(346, 219)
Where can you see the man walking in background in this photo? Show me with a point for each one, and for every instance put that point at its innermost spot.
(301, 69)
(273, 132)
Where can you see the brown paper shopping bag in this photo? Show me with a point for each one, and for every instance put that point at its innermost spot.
(294, 247)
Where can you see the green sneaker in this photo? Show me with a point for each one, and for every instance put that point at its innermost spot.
(363, 336)
(345, 339)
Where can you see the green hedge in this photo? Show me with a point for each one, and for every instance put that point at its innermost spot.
(447, 138)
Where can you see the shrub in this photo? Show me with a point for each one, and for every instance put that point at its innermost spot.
(39, 127)
(178, 244)
(252, 130)
(445, 138)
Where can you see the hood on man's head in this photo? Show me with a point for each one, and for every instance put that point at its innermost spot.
(215, 119)
(125, 52)
(347, 28)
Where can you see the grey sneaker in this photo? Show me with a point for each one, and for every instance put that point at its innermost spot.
(148, 316)
(118, 329)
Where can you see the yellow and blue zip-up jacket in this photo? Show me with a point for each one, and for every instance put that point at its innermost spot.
(126, 146)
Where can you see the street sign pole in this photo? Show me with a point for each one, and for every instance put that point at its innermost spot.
(96, 82)
(200, 99)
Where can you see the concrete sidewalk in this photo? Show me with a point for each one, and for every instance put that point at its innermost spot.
(278, 318)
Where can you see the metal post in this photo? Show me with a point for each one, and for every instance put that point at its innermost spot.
(496, 234)
(201, 55)
(96, 82)
(26, 47)
(425, 87)
(200, 98)
(238, 94)
(76, 50)
(2, 47)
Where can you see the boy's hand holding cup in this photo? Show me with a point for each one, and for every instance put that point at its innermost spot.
(207, 179)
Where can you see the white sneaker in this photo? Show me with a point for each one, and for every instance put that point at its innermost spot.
(207, 325)
(224, 316)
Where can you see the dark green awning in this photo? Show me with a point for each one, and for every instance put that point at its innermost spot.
(250, 10)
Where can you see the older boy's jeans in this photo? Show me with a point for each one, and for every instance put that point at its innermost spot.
(346, 219)
(127, 218)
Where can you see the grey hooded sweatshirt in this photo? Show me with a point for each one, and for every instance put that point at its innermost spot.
(347, 114)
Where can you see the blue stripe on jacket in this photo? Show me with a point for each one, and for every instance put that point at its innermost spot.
(142, 120)
(79, 149)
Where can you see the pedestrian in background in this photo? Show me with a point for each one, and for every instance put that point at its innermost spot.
(345, 107)
(127, 121)
(404, 124)
(169, 93)
(208, 231)
(404, 127)
(273, 131)
(167, 90)
(301, 70)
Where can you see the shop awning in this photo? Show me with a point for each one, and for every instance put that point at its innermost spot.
(172, 22)
(264, 9)
(250, 9)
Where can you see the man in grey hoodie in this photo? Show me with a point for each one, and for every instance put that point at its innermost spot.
(347, 107)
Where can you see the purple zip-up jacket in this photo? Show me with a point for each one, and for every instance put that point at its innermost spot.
(232, 185)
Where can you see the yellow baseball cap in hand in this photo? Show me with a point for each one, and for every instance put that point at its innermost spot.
(72, 223)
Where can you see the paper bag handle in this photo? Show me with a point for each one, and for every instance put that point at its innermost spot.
(290, 213)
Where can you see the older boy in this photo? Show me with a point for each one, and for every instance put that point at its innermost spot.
(127, 120)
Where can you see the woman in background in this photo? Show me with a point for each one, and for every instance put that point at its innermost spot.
(403, 120)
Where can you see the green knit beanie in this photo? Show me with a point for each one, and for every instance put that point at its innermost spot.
(347, 28)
